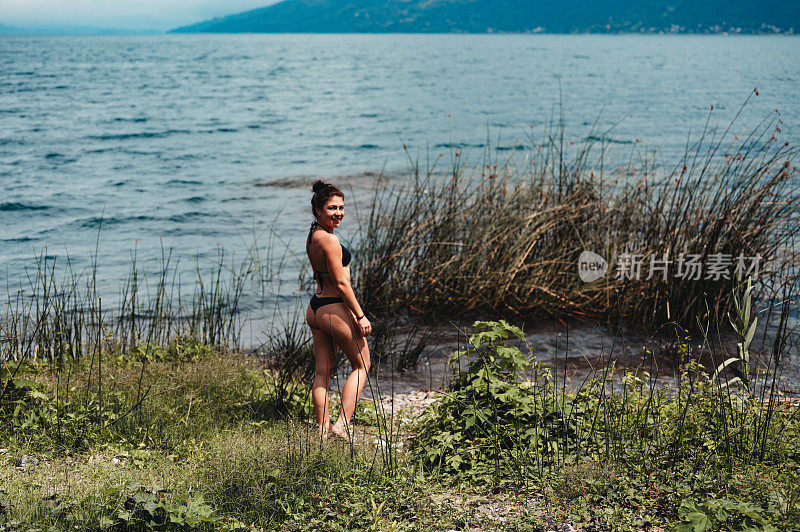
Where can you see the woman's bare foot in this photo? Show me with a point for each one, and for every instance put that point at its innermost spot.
(340, 432)
(325, 432)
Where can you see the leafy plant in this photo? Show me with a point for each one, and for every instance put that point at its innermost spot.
(182, 348)
(17, 390)
(722, 514)
(150, 509)
(486, 416)
(745, 330)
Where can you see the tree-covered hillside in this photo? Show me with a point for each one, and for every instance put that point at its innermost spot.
(479, 16)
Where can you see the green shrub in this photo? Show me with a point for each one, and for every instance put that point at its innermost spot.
(132, 507)
(487, 420)
(491, 426)
(151, 509)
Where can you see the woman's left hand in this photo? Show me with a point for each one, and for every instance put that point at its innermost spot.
(365, 326)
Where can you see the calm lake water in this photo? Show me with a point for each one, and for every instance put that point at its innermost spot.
(199, 141)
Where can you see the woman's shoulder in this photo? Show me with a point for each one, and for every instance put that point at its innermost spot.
(325, 239)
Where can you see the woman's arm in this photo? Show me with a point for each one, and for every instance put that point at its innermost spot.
(333, 256)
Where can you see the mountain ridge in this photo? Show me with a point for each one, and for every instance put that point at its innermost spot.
(511, 16)
(71, 29)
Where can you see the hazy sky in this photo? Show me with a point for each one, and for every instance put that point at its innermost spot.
(129, 14)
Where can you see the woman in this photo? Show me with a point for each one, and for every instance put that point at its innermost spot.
(334, 315)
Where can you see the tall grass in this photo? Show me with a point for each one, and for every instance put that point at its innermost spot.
(504, 237)
(58, 314)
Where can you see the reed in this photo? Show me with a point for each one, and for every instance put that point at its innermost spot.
(503, 237)
(59, 315)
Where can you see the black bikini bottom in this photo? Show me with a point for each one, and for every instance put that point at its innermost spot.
(317, 302)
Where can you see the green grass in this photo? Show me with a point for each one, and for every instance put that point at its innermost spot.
(208, 447)
(207, 430)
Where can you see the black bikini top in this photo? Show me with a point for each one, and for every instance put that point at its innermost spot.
(346, 256)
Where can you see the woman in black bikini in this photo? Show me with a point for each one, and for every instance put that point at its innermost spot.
(334, 315)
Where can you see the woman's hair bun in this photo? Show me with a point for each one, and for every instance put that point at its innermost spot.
(318, 186)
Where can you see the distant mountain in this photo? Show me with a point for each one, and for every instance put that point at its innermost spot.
(5, 29)
(482, 16)
(70, 30)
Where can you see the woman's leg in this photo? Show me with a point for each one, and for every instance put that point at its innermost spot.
(324, 361)
(336, 320)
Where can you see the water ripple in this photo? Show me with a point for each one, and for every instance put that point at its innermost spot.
(12, 206)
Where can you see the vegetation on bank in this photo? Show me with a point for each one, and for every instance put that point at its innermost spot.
(186, 437)
(632, 454)
(204, 453)
(504, 237)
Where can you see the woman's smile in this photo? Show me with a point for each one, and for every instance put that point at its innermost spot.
(333, 212)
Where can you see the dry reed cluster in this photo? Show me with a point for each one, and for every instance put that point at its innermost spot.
(504, 237)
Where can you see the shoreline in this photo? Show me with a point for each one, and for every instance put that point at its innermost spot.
(590, 349)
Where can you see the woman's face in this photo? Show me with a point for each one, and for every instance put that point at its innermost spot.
(332, 212)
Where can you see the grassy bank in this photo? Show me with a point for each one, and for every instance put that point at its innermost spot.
(182, 439)
(189, 437)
